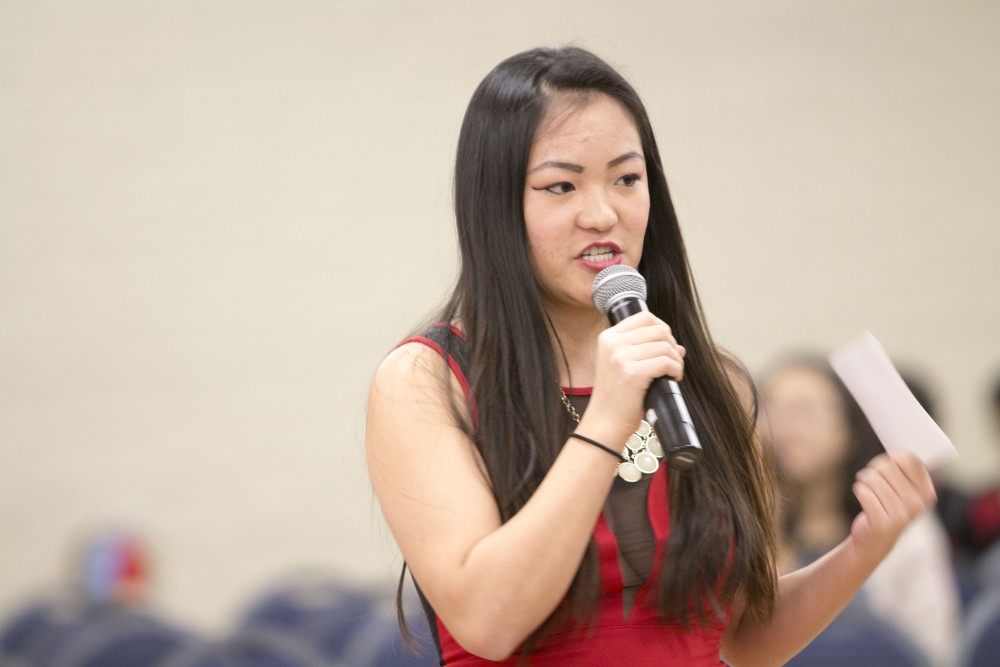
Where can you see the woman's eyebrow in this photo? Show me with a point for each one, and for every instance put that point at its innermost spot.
(627, 156)
(569, 166)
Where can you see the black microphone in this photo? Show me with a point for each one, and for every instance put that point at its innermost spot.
(620, 291)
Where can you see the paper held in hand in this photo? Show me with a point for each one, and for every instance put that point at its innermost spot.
(898, 419)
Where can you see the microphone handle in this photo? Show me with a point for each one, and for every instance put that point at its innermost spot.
(665, 407)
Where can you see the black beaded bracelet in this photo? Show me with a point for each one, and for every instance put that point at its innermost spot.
(613, 453)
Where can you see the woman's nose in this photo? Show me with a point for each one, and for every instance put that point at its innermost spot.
(597, 213)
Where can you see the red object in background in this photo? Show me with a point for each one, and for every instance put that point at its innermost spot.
(132, 580)
(984, 519)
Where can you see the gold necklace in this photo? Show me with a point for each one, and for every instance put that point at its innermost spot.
(642, 451)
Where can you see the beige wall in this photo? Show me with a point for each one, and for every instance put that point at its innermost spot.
(216, 217)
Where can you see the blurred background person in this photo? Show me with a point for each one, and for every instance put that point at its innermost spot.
(971, 518)
(984, 507)
(820, 440)
(979, 543)
(114, 567)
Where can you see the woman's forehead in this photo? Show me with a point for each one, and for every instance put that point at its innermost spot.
(575, 123)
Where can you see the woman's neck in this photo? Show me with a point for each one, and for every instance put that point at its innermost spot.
(821, 521)
(574, 335)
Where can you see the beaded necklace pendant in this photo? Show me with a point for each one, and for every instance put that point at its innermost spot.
(642, 451)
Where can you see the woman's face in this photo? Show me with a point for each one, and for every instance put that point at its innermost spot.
(803, 418)
(586, 201)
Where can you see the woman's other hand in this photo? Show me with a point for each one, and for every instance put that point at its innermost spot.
(893, 490)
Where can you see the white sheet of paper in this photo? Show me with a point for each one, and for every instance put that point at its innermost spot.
(898, 419)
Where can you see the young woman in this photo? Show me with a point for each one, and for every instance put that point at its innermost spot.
(488, 436)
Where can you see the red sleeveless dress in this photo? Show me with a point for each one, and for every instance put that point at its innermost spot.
(630, 535)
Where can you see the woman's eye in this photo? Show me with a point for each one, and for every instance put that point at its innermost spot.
(560, 188)
(628, 180)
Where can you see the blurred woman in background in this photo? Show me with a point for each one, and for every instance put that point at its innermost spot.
(821, 440)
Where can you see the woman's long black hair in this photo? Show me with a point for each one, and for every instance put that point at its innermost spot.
(721, 535)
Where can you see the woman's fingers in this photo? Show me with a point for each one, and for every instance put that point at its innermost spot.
(871, 505)
(649, 360)
(892, 490)
(919, 476)
(658, 358)
(631, 354)
(906, 476)
(643, 328)
(639, 320)
(908, 479)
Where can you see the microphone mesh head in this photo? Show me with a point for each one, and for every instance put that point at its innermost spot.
(615, 280)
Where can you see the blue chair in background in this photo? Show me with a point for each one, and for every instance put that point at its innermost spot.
(252, 648)
(319, 611)
(987, 569)
(124, 638)
(61, 622)
(380, 644)
(59, 607)
(66, 629)
(981, 635)
(857, 638)
(25, 624)
(10, 660)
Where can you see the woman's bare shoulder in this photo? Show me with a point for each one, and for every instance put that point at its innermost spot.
(411, 364)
